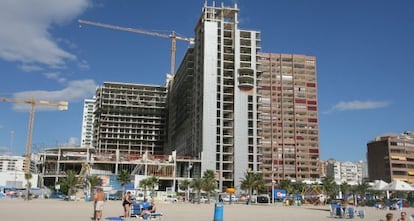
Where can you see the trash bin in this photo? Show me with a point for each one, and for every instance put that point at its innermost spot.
(218, 211)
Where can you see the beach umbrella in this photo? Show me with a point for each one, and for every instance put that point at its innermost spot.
(399, 185)
(379, 185)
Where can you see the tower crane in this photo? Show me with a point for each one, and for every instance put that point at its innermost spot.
(174, 37)
(61, 105)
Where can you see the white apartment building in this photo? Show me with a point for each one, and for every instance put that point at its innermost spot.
(347, 171)
(224, 96)
(12, 172)
(87, 122)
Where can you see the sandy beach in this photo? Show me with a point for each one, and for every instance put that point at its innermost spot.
(57, 210)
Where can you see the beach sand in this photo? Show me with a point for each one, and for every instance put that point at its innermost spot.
(58, 210)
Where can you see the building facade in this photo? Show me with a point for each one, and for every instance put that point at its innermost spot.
(12, 172)
(87, 122)
(391, 157)
(223, 103)
(288, 117)
(349, 172)
(181, 111)
(130, 118)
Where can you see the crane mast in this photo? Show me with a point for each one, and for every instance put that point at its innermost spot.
(62, 105)
(173, 36)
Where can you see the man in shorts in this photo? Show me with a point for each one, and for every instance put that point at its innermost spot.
(99, 202)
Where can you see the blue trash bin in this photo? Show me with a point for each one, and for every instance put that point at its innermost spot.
(218, 211)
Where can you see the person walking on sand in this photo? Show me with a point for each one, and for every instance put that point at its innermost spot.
(126, 203)
(99, 202)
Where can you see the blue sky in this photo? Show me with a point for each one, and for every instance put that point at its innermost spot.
(364, 53)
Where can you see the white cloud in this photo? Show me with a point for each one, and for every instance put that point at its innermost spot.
(72, 141)
(55, 76)
(30, 68)
(359, 105)
(74, 92)
(5, 150)
(25, 33)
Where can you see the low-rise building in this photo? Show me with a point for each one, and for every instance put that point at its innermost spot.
(12, 172)
(391, 157)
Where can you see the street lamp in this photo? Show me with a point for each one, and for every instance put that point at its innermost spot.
(273, 190)
(190, 166)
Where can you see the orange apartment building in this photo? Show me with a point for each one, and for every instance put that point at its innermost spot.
(288, 117)
(391, 157)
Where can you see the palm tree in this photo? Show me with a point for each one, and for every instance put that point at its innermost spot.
(251, 182)
(148, 183)
(70, 181)
(93, 181)
(197, 185)
(27, 176)
(286, 185)
(123, 178)
(144, 183)
(248, 183)
(361, 189)
(329, 186)
(185, 185)
(152, 182)
(299, 187)
(209, 183)
(345, 188)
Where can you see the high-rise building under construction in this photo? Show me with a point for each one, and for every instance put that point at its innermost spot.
(222, 112)
(130, 118)
(229, 106)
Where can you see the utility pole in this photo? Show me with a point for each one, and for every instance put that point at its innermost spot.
(11, 139)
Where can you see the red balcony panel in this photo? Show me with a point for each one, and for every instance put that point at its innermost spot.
(300, 101)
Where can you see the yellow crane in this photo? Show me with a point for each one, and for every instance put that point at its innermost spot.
(173, 36)
(61, 105)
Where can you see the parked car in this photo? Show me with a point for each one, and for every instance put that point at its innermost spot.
(58, 195)
(263, 199)
(226, 198)
(203, 199)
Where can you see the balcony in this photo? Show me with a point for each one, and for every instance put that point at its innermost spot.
(246, 78)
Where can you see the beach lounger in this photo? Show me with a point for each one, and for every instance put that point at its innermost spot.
(350, 213)
(360, 214)
(336, 210)
(152, 216)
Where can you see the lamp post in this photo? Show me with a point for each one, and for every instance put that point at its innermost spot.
(273, 191)
(190, 166)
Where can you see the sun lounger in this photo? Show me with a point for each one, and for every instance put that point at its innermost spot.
(151, 216)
